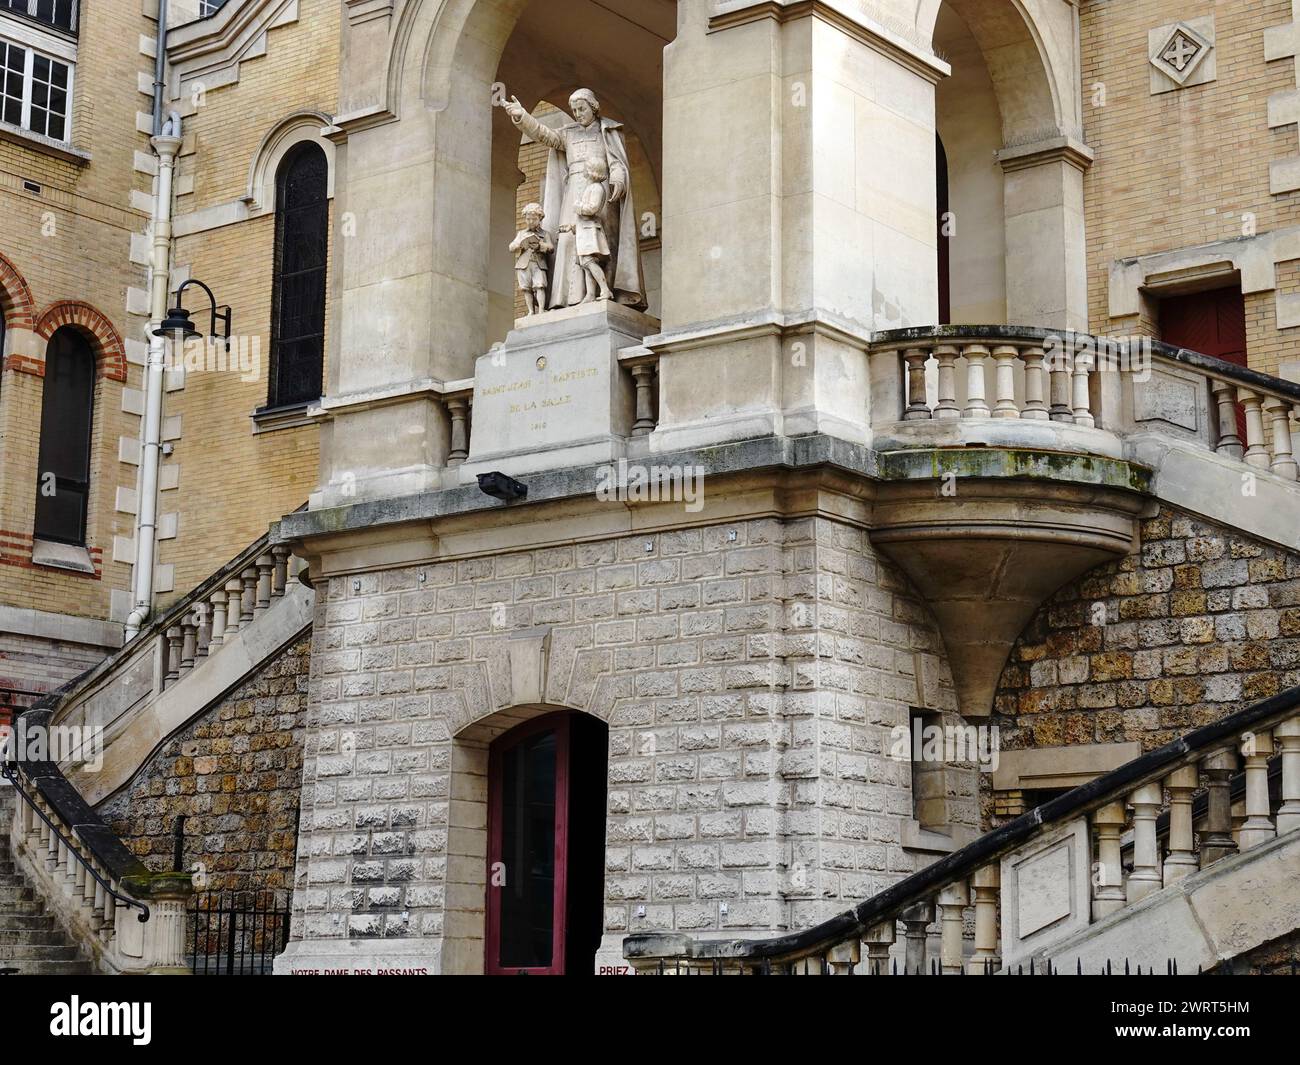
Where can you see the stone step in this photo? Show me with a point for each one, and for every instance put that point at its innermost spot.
(22, 909)
(50, 935)
(18, 893)
(10, 922)
(27, 967)
(20, 952)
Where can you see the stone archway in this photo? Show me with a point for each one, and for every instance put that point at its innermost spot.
(472, 861)
(1019, 253)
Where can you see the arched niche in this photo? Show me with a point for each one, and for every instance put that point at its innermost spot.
(535, 50)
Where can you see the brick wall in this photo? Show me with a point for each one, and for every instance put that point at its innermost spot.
(1181, 168)
(749, 685)
(236, 774)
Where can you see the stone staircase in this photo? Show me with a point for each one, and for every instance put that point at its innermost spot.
(31, 941)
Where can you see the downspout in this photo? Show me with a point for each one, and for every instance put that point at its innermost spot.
(166, 143)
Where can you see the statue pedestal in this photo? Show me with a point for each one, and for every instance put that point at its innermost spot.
(554, 395)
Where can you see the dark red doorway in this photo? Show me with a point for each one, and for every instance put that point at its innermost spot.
(1211, 322)
(546, 846)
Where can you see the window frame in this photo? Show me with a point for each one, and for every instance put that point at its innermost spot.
(33, 42)
(86, 486)
(275, 399)
(30, 16)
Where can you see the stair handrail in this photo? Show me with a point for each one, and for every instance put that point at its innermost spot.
(853, 924)
(12, 773)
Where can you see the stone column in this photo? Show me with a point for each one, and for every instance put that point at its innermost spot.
(1258, 827)
(953, 901)
(1047, 278)
(780, 260)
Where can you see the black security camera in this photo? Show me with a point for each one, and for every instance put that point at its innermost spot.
(501, 487)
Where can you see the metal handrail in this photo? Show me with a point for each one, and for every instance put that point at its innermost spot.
(11, 773)
(853, 924)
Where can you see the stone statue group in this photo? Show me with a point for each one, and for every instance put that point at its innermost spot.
(581, 244)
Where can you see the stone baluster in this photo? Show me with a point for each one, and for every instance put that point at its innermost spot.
(643, 380)
(946, 407)
(248, 594)
(458, 412)
(1145, 877)
(1226, 404)
(203, 615)
(953, 901)
(1035, 386)
(1256, 450)
(986, 884)
(1287, 737)
(234, 597)
(916, 918)
(217, 604)
(1108, 882)
(189, 642)
(843, 958)
(265, 566)
(879, 939)
(280, 576)
(1257, 747)
(1081, 395)
(1216, 840)
(976, 404)
(1059, 386)
(917, 407)
(1004, 382)
(1278, 413)
(1181, 858)
(174, 636)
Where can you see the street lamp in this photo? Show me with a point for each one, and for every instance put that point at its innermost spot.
(177, 324)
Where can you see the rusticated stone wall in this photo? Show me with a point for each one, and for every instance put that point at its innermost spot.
(1201, 622)
(749, 674)
(236, 774)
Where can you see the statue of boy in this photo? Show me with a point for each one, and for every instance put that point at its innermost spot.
(531, 247)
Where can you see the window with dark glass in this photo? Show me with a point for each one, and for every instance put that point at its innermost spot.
(60, 13)
(63, 471)
(298, 294)
(35, 91)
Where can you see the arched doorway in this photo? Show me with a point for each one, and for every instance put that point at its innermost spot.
(546, 846)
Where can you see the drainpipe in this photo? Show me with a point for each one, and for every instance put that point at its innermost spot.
(166, 145)
(160, 69)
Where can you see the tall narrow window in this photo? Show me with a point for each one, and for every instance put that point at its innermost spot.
(945, 247)
(63, 473)
(298, 296)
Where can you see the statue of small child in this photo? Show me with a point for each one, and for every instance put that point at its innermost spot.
(531, 247)
(589, 232)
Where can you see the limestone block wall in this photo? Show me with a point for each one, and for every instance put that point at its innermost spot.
(236, 774)
(1202, 622)
(749, 674)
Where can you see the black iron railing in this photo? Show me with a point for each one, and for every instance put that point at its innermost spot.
(237, 933)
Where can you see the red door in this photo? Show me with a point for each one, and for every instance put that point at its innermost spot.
(1213, 323)
(528, 813)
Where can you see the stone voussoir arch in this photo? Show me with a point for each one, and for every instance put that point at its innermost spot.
(110, 351)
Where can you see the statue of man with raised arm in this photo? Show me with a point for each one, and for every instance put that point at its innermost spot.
(568, 176)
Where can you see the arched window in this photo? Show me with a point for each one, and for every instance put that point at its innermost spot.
(63, 473)
(298, 294)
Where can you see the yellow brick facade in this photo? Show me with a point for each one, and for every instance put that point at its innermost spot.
(233, 482)
(1189, 167)
(69, 239)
